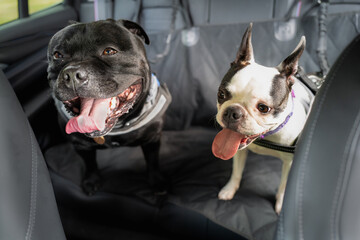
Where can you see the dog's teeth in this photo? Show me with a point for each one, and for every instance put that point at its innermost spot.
(113, 103)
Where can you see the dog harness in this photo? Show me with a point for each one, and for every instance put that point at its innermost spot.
(156, 103)
(309, 85)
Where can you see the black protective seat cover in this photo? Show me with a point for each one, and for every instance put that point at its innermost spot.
(322, 196)
(125, 206)
(27, 205)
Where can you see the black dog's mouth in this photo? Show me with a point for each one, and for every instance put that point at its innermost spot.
(97, 117)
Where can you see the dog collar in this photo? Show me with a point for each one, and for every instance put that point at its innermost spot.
(156, 103)
(283, 123)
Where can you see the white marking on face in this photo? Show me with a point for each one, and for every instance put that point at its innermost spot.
(249, 87)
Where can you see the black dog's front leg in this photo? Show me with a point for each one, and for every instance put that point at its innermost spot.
(91, 181)
(156, 180)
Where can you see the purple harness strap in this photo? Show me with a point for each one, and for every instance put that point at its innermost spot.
(286, 119)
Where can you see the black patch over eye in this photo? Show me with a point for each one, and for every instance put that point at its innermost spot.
(109, 51)
(263, 108)
(223, 95)
(57, 55)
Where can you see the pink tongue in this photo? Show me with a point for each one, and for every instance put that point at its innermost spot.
(92, 116)
(226, 143)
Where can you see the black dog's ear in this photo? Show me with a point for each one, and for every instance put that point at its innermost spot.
(71, 22)
(289, 66)
(136, 29)
(245, 54)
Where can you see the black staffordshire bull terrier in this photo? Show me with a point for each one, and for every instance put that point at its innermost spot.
(106, 94)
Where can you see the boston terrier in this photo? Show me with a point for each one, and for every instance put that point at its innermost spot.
(256, 102)
(106, 94)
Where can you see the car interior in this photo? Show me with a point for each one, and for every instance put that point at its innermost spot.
(192, 44)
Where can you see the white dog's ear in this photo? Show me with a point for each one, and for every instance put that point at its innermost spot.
(289, 66)
(245, 54)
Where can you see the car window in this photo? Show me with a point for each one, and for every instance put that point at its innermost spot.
(9, 9)
(37, 5)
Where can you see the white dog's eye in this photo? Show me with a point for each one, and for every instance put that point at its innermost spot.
(263, 108)
(221, 94)
(109, 51)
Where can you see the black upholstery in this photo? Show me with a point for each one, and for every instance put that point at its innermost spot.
(322, 196)
(27, 204)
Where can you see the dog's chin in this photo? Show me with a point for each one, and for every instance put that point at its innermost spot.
(107, 115)
(246, 140)
(227, 142)
(245, 137)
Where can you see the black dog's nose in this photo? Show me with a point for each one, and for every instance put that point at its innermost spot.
(74, 76)
(232, 114)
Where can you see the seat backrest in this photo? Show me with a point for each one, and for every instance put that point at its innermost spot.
(323, 193)
(27, 204)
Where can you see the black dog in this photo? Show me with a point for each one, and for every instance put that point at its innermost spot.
(105, 93)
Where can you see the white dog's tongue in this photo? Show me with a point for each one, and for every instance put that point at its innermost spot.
(92, 116)
(226, 143)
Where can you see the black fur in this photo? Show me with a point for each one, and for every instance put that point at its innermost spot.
(81, 46)
(245, 53)
(279, 93)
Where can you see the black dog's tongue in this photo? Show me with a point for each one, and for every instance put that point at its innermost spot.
(93, 113)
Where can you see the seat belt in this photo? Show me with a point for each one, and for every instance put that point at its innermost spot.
(322, 43)
(103, 9)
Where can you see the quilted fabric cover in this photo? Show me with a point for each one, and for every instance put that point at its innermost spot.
(195, 177)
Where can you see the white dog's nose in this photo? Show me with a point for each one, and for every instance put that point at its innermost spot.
(232, 114)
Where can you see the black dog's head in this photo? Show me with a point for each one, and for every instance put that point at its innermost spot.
(99, 71)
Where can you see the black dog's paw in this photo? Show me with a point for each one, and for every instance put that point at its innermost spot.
(91, 184)
(159, 184)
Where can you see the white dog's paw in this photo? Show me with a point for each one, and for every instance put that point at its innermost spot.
(279, 202)
(227, 192)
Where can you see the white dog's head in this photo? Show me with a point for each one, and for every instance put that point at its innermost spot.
(252, 98)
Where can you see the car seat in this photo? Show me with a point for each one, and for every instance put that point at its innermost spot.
(322, 195)
(27, 204)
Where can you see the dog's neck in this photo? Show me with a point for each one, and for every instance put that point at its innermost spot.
(287, 119)
(148, 102)
(156, 103)
(292, 129)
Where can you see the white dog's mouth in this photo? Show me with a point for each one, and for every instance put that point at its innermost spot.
(228, 142)
(97, 117)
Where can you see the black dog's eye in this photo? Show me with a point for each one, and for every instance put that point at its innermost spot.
(263, 108)
(109, 51)
(58, 55)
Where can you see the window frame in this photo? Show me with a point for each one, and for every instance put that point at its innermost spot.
(23, 9)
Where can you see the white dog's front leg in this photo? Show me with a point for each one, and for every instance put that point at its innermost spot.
(281, 191)
(229, 190)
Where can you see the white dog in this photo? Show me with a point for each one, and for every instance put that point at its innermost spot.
(254, 102)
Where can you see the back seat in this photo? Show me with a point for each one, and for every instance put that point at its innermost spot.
(192, 52)
(156, 15)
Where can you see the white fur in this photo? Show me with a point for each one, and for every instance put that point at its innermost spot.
(249, 86)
